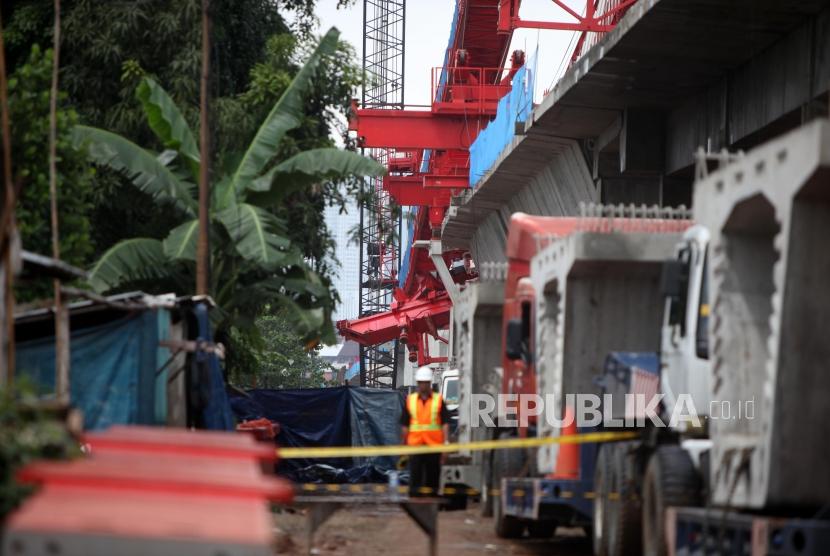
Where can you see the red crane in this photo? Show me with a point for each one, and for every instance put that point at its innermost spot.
(430, 158)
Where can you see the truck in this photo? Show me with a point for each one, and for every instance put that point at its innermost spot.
(725, 313)
(591, 292)
(476, 320)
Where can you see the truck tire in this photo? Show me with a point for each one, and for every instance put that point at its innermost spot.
(599, 528)
(541, 529)
(670, 480)
(624, 510)
(456, 501)
(506, 463)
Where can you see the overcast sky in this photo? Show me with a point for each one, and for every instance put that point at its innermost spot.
(428, 29)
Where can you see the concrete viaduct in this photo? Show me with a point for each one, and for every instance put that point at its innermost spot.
(623, 123)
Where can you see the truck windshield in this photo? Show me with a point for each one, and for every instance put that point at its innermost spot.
(451, 390)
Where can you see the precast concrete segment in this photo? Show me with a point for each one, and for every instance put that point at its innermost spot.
(551, 179)
(477, 320)
(595, 293)
(769, 218)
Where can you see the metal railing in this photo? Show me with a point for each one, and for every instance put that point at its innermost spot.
(469, 89)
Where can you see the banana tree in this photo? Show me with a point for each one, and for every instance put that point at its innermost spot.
(252, 260)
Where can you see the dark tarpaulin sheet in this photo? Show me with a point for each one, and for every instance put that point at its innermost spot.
(216, 410)
(341, 416)
(307, 417)
(112, 377)
(376, 421)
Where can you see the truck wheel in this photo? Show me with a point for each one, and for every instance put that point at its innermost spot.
(506, 463)
(671, 480)
(457, 500)
(485, 497)
(624, 511)
(541, 529)
(601, 478)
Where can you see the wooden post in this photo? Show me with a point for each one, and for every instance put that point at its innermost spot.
(62, 351)
(203, 246)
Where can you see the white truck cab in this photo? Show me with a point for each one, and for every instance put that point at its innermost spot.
(450, 388)
(684, 345)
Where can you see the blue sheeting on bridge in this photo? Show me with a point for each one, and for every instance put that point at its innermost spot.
(353, 371)
(514, 107)
(342, 416)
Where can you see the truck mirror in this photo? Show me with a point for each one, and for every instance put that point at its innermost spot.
(671, 279)
(513, 342)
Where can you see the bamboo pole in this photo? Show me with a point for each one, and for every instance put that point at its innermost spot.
(203, 246)
(62, 336)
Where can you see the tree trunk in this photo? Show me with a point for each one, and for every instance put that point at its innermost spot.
(203, 246)
(62, 352)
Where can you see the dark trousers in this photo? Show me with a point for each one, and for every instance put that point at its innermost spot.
(424, 471)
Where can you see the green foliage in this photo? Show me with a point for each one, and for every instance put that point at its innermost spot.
(149, 173)
(29, 90)
(108, 49)
(26, 434)
(254, 262)
(330, 95)
(279, 358)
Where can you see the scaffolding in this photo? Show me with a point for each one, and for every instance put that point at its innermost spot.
(380, 219)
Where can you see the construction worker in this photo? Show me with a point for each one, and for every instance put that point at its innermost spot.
(425, 421)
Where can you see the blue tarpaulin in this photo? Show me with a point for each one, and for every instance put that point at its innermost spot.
(215, 407)
(113, 366)
(311, 417)
(624, 361)
(113, 375)
(375, 421)
(353, 371)
(514, 107)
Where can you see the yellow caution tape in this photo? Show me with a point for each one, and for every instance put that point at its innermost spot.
(402, 450)
(447, 491)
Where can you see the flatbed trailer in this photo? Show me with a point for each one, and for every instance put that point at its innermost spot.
(568, 502)
(718, 532)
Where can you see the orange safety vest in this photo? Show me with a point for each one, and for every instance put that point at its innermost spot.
(424, 420)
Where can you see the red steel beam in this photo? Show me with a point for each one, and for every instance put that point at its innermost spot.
(584, 25)
(409, 191)
(407, 196)
(402, 321)
(412, 129)
(445, 181)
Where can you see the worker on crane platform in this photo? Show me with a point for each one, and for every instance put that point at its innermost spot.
(425, 421)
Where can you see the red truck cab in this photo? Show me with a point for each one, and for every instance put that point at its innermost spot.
(526, 236)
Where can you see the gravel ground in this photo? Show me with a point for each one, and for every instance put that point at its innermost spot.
(368, 530)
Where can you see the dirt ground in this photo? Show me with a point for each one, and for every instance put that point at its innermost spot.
(368, 530)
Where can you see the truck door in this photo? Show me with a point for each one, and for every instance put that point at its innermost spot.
(684, 351)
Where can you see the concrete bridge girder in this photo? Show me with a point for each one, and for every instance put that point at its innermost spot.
(673, 76)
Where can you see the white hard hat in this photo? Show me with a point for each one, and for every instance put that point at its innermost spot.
(423, 374)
